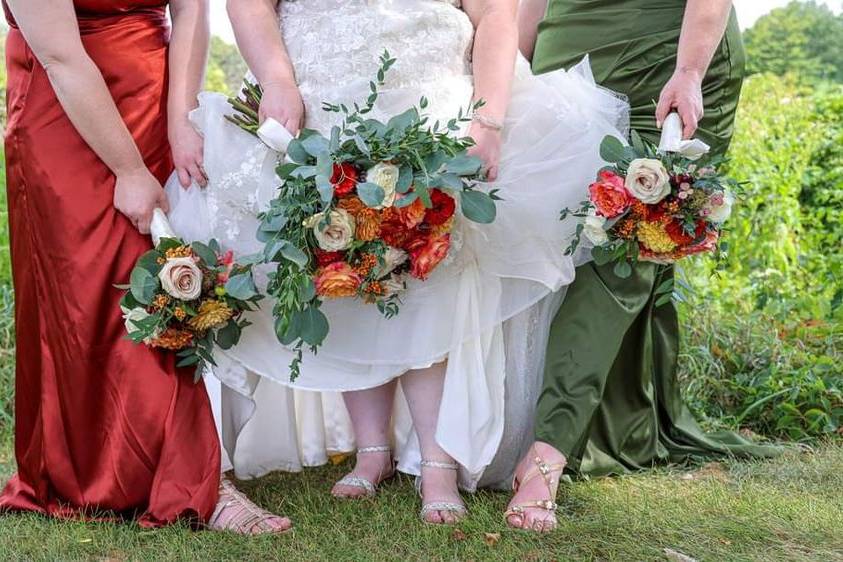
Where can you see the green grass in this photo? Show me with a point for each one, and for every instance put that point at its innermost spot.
(788, 509)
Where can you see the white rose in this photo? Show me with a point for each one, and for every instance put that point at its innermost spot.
(647, 180)
(594, 229)
(386, 176)
(181, 278)
(394, 285)
(335, 234)
(393, 257)
(720, 207)
(131, 316)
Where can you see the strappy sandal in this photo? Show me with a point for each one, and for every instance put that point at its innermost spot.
(546, 471)
(238, 514)
(458, 510)
(370, 488)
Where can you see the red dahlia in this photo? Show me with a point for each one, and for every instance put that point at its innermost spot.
(344, 179)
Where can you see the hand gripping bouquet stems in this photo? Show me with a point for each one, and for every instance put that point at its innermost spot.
(363, 210)
(187, 298)
(658, 204)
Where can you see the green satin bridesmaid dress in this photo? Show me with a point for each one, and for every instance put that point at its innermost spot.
(611, 400)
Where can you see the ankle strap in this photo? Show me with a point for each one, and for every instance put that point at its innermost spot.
(442, 465)
(377, 449)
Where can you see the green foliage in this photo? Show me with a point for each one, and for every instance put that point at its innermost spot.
(803, 38)
(754, 372)
(226, 67)
(784, 252)
(7, 358)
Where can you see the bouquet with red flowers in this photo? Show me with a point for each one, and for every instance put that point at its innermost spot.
(657, 204)
(187, 298)
(363, 210)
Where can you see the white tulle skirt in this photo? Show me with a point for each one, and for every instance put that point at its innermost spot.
(487, 309)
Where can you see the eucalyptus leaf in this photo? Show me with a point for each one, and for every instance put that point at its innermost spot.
(601, 255)
(464, 165)
(611, 150)
(405, 179)
(205, 253)
(228, 335)
(144, 285)
(296, 152)
(371, 194)
(241, 287)
(477, 206)
(189, 361)
(316, 145)
(294, 254)
(325, 188)
(623, 269)
(314, 326)
(149, 261)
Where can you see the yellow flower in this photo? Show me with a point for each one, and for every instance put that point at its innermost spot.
(179, 313)
(179, 252)
(160, 301)
(655, 238)
(212, 314)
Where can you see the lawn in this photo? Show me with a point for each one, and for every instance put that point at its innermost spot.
(787, 509)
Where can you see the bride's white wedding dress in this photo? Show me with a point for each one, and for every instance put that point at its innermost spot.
(486, 310)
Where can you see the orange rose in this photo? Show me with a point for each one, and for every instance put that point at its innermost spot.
(337, 280)
(609, 195)
(426, 254)
(413, 214)
(392, 229)
(368, 224)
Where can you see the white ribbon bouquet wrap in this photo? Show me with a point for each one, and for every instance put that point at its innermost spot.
(671, 140)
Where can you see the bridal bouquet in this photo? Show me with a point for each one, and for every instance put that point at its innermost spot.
(363, 210)
(187, 298)
(657, 204)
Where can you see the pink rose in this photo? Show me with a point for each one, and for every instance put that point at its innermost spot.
(609, 195)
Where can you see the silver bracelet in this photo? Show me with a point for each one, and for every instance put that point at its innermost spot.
(487, 121)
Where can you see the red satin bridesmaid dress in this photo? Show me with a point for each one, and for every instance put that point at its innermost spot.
(101, 424)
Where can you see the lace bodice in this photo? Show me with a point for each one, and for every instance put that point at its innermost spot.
(335, 46)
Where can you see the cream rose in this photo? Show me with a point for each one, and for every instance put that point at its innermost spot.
(647, 180)
(594, 230)
(131, 316)
(720, 207)
(392, 258)
(181, 278)
(386, 176)
(394, 285)
(334, 234)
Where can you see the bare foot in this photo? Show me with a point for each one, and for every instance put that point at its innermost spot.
(441, 501)
(373, 466)
(238, 514)
(533, 507)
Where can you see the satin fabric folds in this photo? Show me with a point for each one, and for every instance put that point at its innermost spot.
(104, 427)
(611, 399)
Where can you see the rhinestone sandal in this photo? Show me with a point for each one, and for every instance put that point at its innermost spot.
(369, 488)
(238, 514)
(458, 510)
(546, 471)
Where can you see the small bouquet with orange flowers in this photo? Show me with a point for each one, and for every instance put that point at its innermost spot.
(657, 204)
(187, 298)
(364, 210)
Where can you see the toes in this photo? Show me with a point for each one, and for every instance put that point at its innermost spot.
(448, 517)
(515, 521)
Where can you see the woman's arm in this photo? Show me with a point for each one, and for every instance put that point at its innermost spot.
(495, 49)
(530, 14)
(51, 30)
(188, 57)
(702, 30)
(258, 35)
